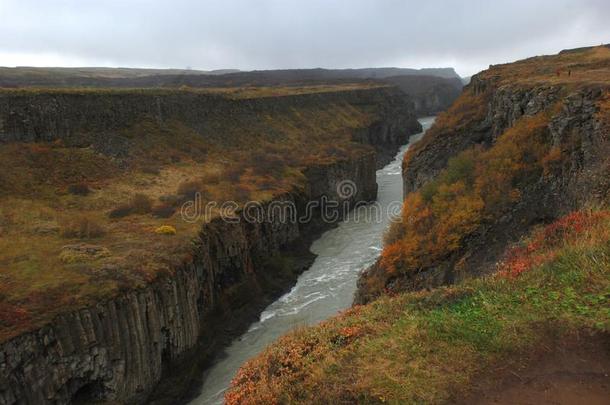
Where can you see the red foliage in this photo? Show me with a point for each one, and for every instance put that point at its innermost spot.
(570, 225)
(540, 249)
(11, 315)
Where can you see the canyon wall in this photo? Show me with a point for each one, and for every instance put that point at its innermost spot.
(576, 118)
(99, 118)
(576, 132)
(430, 94)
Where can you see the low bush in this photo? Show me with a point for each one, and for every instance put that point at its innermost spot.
(163, 210)
(165, 230)
(79, 189)
(82, 227)
(141, 204)
(233, 172)
(11, 315)
(189, 189)
(151, 169)
(120, 211)
(543, 246)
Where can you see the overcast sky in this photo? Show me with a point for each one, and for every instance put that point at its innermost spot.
(270, 34)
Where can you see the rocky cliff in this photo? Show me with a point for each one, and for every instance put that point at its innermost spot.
(430, 94)
(119, 350)
(577, 116)
(98, 118)
(557, 168)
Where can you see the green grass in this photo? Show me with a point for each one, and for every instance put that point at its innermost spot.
(426, 347)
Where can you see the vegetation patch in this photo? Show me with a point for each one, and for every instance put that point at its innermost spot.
(477, 186)
(165, 230)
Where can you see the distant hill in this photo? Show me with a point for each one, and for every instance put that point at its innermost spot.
(432, 89)
(128, 77)
(51, 73)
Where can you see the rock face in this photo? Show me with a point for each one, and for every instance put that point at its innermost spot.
(430, 94)
(575, 128)
(118, 350)
(98, 118)
(505, 106)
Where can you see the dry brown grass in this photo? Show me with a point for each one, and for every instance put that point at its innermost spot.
(230, 92)
(578, 68)
(82, 227)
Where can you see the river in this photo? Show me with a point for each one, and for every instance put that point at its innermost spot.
(326, 288)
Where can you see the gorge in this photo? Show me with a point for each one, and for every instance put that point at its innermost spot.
(120, 346)
(474, 241)
(326, 287)
(497, 267)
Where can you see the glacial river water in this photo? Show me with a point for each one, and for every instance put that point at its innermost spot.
(326, 288)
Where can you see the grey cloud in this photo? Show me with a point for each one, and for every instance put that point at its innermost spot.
(265, 34)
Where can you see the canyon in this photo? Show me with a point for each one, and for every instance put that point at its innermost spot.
(500, 249)
(121, 347)
(497, 262)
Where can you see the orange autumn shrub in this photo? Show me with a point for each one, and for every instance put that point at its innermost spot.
(434, 230)
(469, 107)
(517, 155)
(476, 186)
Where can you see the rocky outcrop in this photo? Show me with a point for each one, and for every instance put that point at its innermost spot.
(99, 118)
(119, 350)
(504, 106)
